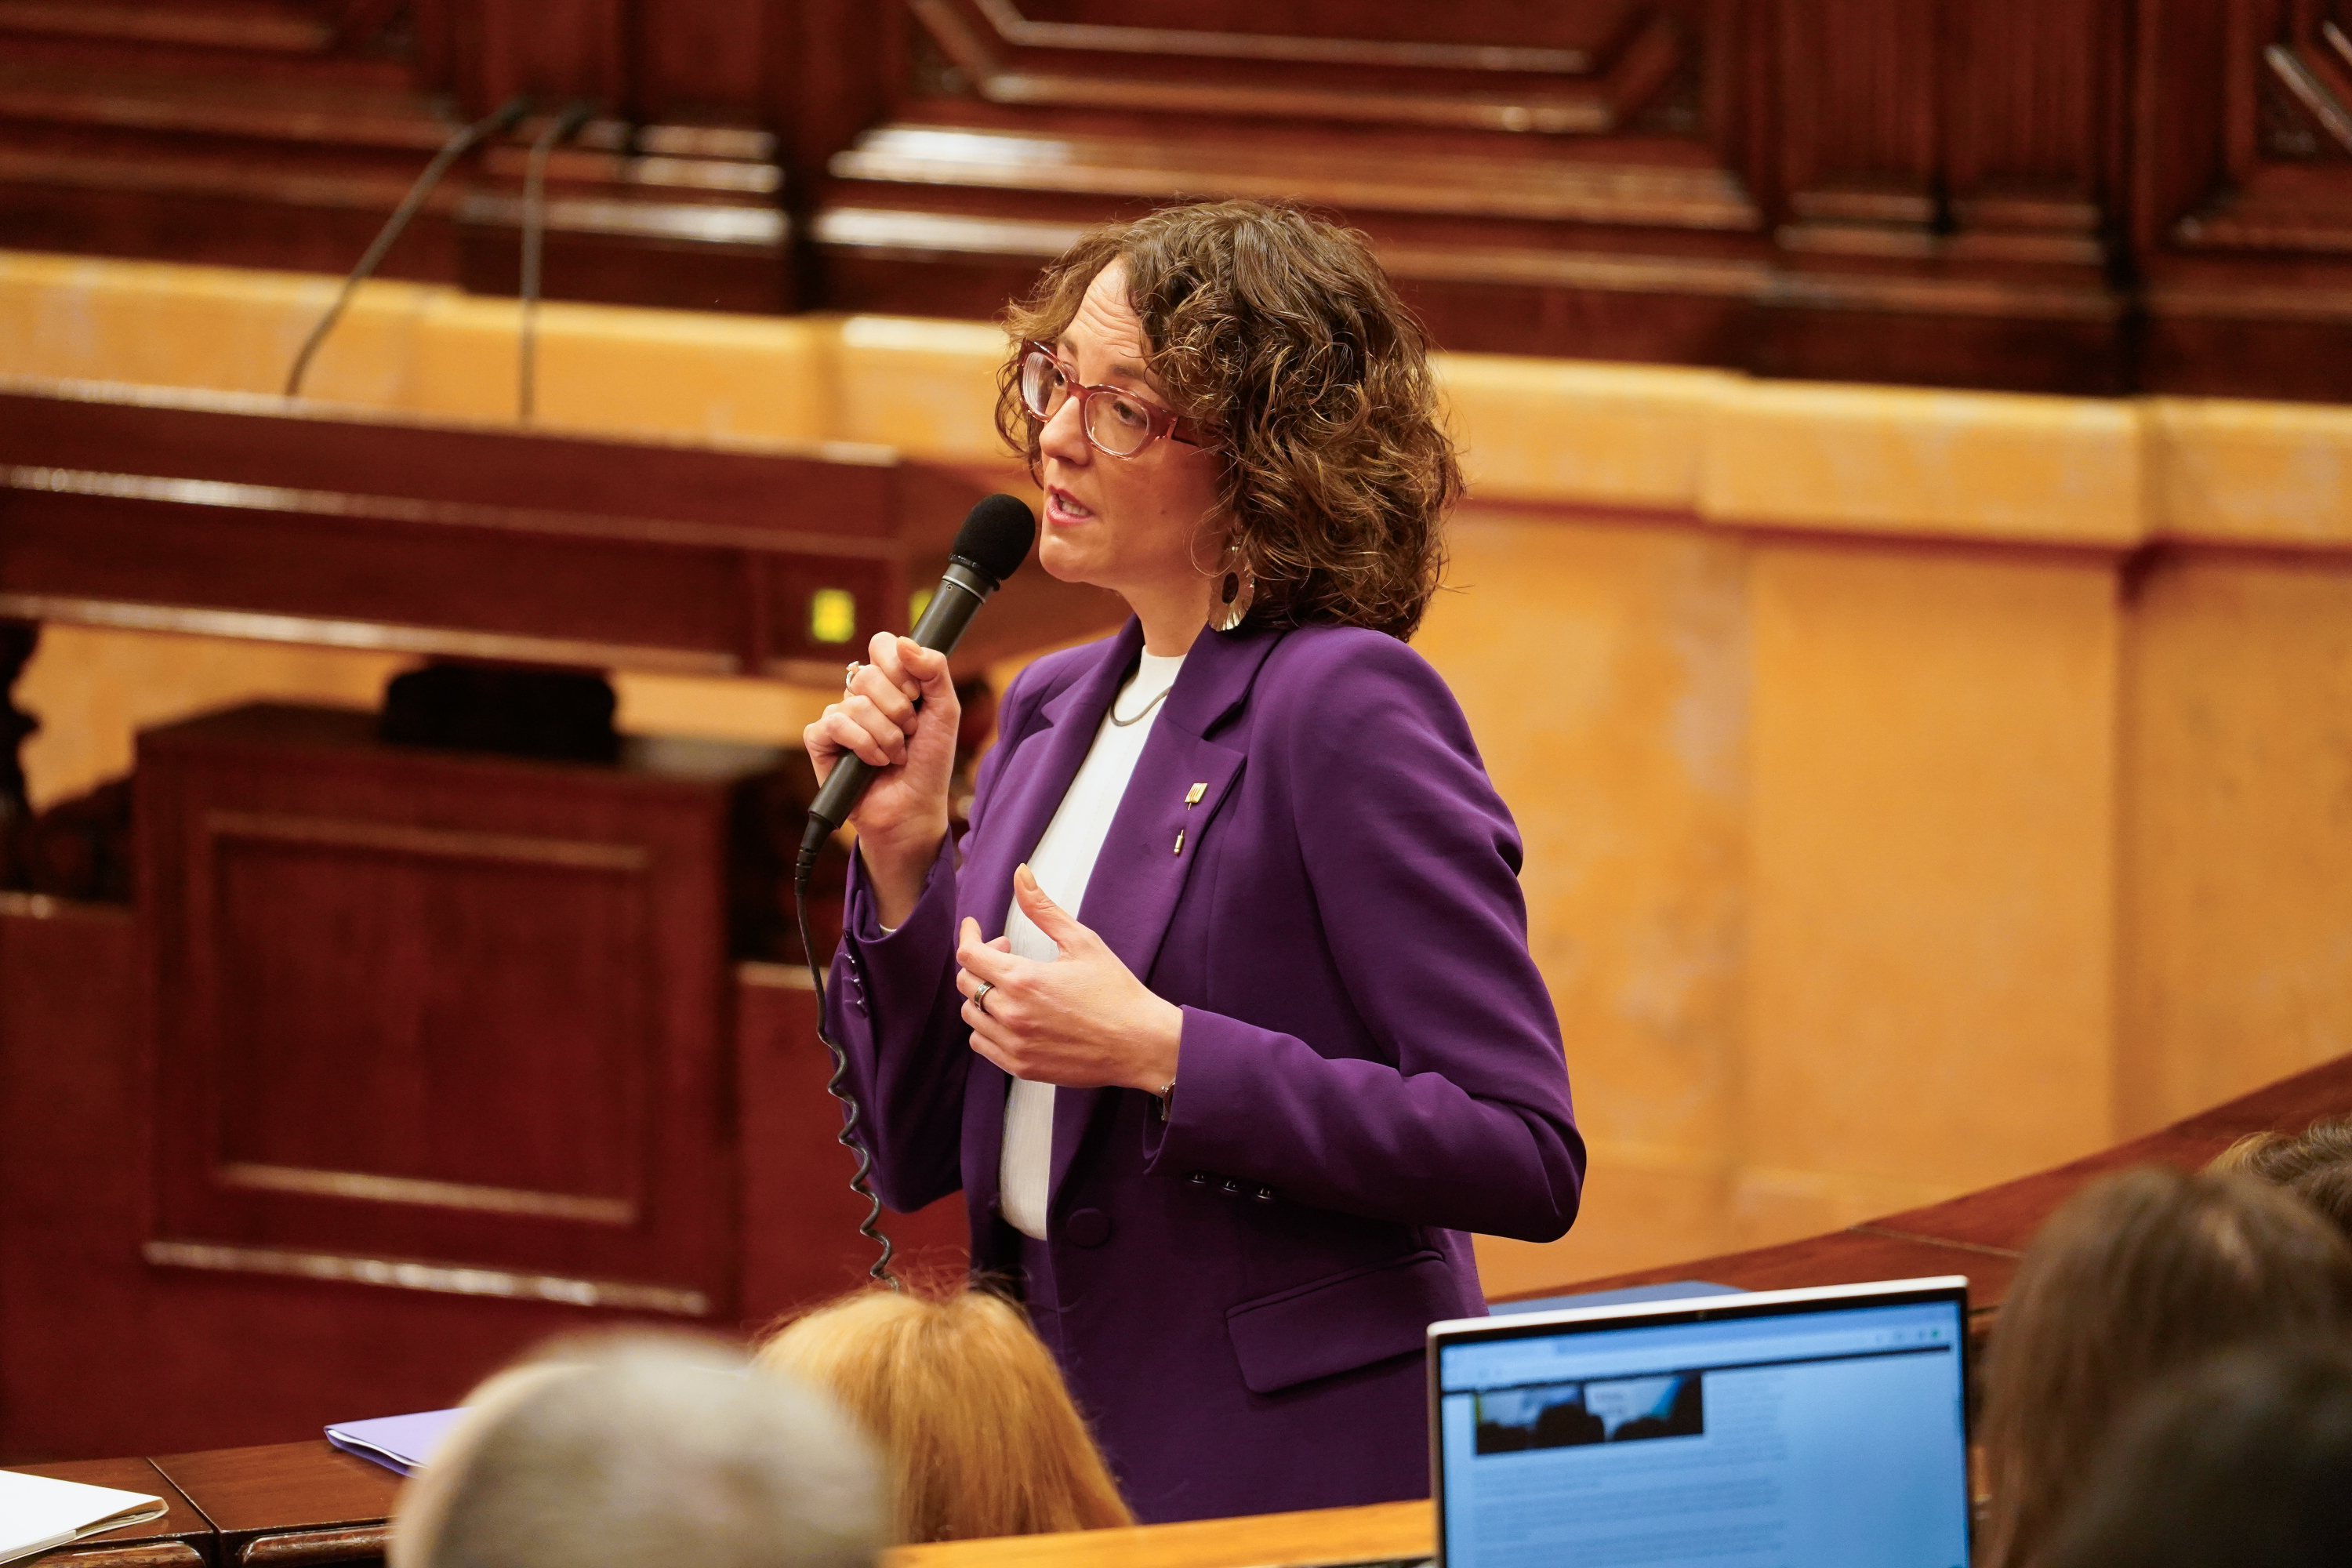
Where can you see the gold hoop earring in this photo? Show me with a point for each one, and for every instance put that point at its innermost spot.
(1236, 588)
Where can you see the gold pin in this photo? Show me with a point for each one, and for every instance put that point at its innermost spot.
(1192, 796)
(1179, 841)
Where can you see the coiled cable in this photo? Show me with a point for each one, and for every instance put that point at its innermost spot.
(837, 1086)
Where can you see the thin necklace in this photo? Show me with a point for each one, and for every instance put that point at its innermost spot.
(1148, 707)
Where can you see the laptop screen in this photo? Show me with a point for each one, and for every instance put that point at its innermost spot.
(1787, 1428)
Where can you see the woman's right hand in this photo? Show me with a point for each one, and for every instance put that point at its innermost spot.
(903, 818)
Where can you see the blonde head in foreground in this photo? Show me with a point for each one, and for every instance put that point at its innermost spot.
(976, 1427)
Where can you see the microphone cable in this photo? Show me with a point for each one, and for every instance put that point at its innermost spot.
(501, 119)
(838, 1086)
(996, 537)
(562, 129)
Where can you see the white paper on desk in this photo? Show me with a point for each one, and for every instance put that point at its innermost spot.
(38, 1512)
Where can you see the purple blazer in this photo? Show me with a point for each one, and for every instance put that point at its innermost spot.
(1369, 1066)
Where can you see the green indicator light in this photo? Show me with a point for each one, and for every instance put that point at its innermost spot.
(833, 615)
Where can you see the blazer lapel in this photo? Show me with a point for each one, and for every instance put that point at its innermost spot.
(1171, 799)
(1031, 784)
(1027, 792)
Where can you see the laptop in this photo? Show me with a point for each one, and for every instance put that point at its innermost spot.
(1735, 1431)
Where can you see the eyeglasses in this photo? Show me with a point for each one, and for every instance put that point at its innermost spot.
(1116, 422)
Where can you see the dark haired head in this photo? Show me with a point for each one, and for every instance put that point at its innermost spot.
(1280, 336)
(2135, 1276)
(2247, 1459)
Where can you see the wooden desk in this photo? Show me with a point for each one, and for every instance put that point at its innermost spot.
(1983, 1234)
(292, 1504)
(288, 1503)
(1381, 1531)
(298, 1503)
(183, 1538)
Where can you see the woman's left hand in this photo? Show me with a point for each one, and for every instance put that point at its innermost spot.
(1083, 1021)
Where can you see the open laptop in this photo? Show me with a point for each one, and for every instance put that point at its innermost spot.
(1825, 1426)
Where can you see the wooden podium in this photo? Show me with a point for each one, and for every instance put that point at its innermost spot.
(445, 1014)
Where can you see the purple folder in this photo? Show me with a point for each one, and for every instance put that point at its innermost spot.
(403, 1443)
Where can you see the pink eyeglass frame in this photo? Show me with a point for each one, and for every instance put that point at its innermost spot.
(1160, 420)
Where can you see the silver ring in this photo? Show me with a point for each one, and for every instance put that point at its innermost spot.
(980, 997)
(849, 680)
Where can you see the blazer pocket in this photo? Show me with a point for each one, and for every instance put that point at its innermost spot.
(1341, 1323)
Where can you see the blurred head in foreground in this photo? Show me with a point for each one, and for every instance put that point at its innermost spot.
(2137, 1276)
(643, 1451)
(2280, 1158)
(2314, 1165)
(975, 1424)
(2246, 1461)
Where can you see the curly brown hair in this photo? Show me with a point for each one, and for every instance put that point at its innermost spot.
(1278, 334)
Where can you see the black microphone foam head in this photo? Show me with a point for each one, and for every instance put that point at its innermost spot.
(996, 536)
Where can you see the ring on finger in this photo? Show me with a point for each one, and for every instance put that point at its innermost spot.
(849, 680)
(980, 997)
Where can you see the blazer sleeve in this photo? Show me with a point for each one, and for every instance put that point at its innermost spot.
(892, 1007)
(1466, 1124)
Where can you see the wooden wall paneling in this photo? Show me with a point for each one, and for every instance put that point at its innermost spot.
(246, 133)
(678, 197)
(73, 1145)
(1945, 168)
(1558, 195)
(1739, 108)
(831, 69)
(1861, 113)
(18, 640)
(1927, 193)
(2245, 126)
(687, 215)
(434, 60)
(251, 165)
(557, 49)
(708, 63)
(2035, 145)
(283, 137)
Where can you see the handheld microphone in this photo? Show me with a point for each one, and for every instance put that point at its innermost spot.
(989, 547)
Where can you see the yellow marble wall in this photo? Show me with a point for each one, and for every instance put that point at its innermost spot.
(2238, 839)
(1930, 880)
(1604, 672)
(1919, 787)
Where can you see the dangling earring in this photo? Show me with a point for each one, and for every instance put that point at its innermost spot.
(1236, 586)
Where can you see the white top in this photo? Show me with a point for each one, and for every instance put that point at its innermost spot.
(1061, 863)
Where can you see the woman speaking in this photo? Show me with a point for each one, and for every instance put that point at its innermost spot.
(1222, 1013)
